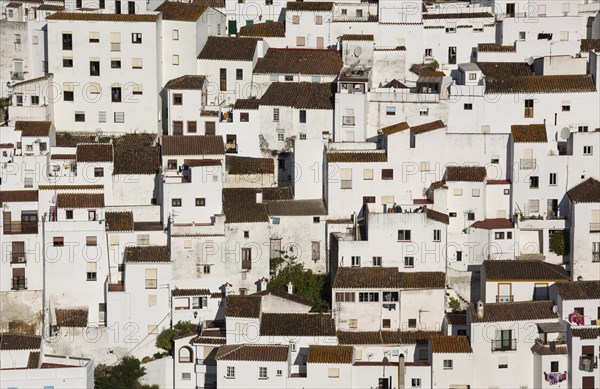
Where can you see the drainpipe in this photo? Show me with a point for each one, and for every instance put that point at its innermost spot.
(401, 372)
(44, 273)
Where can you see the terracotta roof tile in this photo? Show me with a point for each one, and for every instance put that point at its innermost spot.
(590, 44)
(71, 187)
(357, 37)
(495, 48)
(330, 354)
(395, 128)
(529, 133)
(465, 173)
(149, 254)
(33, 128)
(208, 340)
(247, 104)
(356, 157)
(384, 337)
(458, 15)
(296, 208)
(541, 349)
(299, 61)
(69, 139)
(119, 221)
(297, 324)
(310, 6)
(94, 152)
(103, 17)
(249, 165)
(183, 12)
(14, 5)
(501, 70)
(516, 311)
(229, 49)
(136, 154)
(50, 7)
(367, 277)
(284, 295)
(64, 157)
(191, 82)
(450, 345)
(521, 270)
(493, 224)
(542, 84)
(301, 95)
(253, 352)
(33, 362)
(12, 341)
(587, 333)
(263, 30)
(395, 84)
(422, 280)
(242, 306)
(456, 318)
(193, 145)
(437, 216)
(277, 194)
(586, 192)
(420, 129)
(190, 292)
(579, 290)
(239, 206)
(80, 200)
(77, 317)
(18, 196)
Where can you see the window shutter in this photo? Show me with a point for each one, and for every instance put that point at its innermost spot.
(91, 267)
(115, 37)
(94, 35)
(346, 174)
(151, 274)
(68, 87)
(477, 25)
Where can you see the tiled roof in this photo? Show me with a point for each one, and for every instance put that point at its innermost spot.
(296, 208)
(541, 349)
(6, 145)
(202, 162)
(458, 15)
(416, 130)
(69, 139)
(18, 196)
(542, 84)
(66, 157)
(249, 165)
(450, 345)
(239, 206)
(253, 352)
(587, 333)
(356, 157)
(103, 17)
(493, 70)
(394, 128)
(495, 48)
(33, 362)
(314, 6)
(493, 224)
(299, 61)
(284, 295)
(579, 290)
(529, 133)
(367, 277)
(456, 318)
(71, 187)
(586, 192)
(209, 113)
(242, 306)
(395, 84)
(186, 82)
(94, 152)
(263, 30)
(229, 49)
(465, 173)
(33, 128)
(136, 154)
(119, 221)
(80, 200)
(330, 354)
(516, 311)
(437, 216)
(183, 12)
(193, 145)
(247, 104)
(422, 280)
(11, 341)
(14, 5)
(208, 340)
(76, 317)
(384, 337)
(301, 95)
(190, 292)
(277, 194)
(148, 254)
(297, 324)
(521, 270)
(50, 7)
(357, 37)
(590, 44)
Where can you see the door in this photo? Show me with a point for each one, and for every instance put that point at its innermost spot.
(504, 293)
(540, 292)
(131, 7)
(452, 55)
(118, 7)
(320, 43)
(18, 252)
(6, 221)
(383, 383)
(588, 382)
(232, 27)
(510, 10)
(223, 79)
(552, 209)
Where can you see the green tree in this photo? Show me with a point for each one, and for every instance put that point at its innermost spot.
(164, 340)
(124, 375)
(306, 284)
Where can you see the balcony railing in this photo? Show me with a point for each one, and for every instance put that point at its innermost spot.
(18, 257)
(588, 363)
(20, 228)
(527, 164)
(594, 227)
(504, 345)
(19, 283)
(505, 299)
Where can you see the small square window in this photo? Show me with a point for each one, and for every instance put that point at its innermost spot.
(566, 108)
(412, 323)
(239, 74)
(288, 78)
(69, 214)
(316, 219)
(390, 111)
(200, 202)
(79, 116)
(91, 241)
(136, 38)
(468, 106)
(177, 99)
(176, 202)
(98, 172)
(58, 241)
(244, 117)
(280, 137)
(452, 214)
(448, 364)
(246, 234)
(302, 136)
(387, 323)
(506, 191)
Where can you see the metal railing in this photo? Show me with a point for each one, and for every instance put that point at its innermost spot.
(18, 257)
(505, 299)
(19, 283)
(527, 164)
(504, 345)
(594, 227)
(20, 228)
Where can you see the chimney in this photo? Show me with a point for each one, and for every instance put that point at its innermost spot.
(227, 288)
(401, 372)
(258, 197)
(263, 283)
(480, 309)
(290, 287)
(553, 346)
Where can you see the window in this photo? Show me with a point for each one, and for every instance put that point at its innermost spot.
(152, 329)
(300, 41)
(175, 35)
(262, 373)
(587, 150)
(91, 241)
(428, 52)
(333, 372)
(318, 20)
(367, 174)
(437, 235)
(244, 117)
(94, 68)
(552, 179)
(499, 235)
(534, 182)
(352, 323)
(67, 62)
(280, 137)
(91, 271)
(35, 100)
(452, 214)
(136, 38)
(136, 63)
(175, 60)
(346, 178)
(344, 11)
(424, 112)
(448, 364)
(477, 26)
(279, 373)
(522, 35)
(412, 323)
(387, 323)
(409, 261)
(186, 376)
(67, 41)
(457, 192)
(91, 215)
(185, 355)
(377, 261)
(459, 256)
(415, 382)
(390, 111)
(230, 372)
(176, 202)
(200, 202)
(239, 74)
(554, 366)
(98, 172)
(451, 27)
(404, 235)
(302, 116)
(115, 93)
(295, 19)
(355, 261)
(79, 116)
(246, 234)
(58, 241)
(177, 99)
(528, 108)
(69, 214)
(475, 192)
(566, 108)
(246, 259)
(275, 114)
(468, 106)
(151, 279)
(368, 296)
(115, 64)
(345, 297)
(582, 129)
(192, 127)
(387, 174)
(470, 216)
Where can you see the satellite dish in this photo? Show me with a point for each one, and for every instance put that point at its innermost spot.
(555, 309)
(357, 51)
(565, 133)
(530, 61)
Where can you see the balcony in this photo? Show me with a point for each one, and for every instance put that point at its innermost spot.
(528, 164)
(588, 363)
(594, 227)
(18, 257)
(505, 299)
(20, 228)
(504, 345)
(231, 148)
(19, 283)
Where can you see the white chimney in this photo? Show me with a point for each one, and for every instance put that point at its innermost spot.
(401, 372)
(290, 287)
(258, 197)
(263, 283)
(227, 288)
(480, 309)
